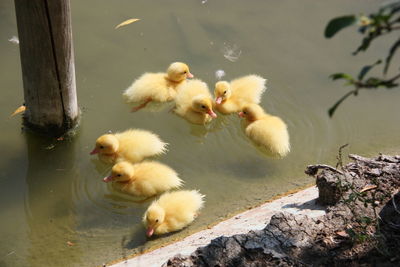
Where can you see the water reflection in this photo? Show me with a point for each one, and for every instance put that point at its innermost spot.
(49, 200)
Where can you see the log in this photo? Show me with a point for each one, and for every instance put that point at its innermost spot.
(47, 61)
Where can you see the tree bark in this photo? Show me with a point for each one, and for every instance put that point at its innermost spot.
(47, 60)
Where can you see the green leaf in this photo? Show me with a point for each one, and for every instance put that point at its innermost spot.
(351, 232)
(340, 75)
(392, 51)
(366, 69)
(390, 5)
(362, 238)
(365, 43)
(338, 24)
(366, 220)
(332, 110)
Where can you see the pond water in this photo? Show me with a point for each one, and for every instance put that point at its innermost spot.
(54, 208)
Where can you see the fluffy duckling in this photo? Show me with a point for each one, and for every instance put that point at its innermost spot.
(145, 179)
(194, 102)
(231, 97)
(131, 145)
(158, 87)
(172, 211)
(267, 131)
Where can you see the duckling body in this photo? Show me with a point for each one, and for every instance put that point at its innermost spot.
(266, 131)
(132, 145)
(172, 211)
(143, 179)
(194, 102)
(231, 97)
(157, 87)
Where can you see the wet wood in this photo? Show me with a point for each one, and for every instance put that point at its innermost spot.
(47, 61)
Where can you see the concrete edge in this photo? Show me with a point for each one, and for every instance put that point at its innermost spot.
(300, 203)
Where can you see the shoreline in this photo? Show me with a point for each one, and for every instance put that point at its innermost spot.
(302, 201)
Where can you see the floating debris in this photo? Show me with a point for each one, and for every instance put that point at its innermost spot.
(231, 52)
(10, 253)
(69, 243)
(18, 110)
(204, 1)
(126, 22)
(219, 74)
(14, 40)
(50, 147)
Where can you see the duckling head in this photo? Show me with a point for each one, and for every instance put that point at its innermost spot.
(120, 172)
(178, 72)
(222, 91)
(153, 218)
(203, 104)
(252, 112)
(106, 144)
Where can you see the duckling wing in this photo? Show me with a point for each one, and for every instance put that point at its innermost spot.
(155, 177)
(137, 144)
(271, 134)
(182, 205)
(149, 85)
(248, 88)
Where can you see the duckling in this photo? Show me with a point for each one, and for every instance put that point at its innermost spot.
(267, 131)
(194, 102)
(145, 179)
(231, 97)
(131, 145)
(158, 87)
(172, 211)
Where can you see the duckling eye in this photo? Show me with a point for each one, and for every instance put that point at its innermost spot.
(157, 220)
(185, 72)
(119, 175)
(244, 112)
(202, 106)
(101, 147)
(224, 92)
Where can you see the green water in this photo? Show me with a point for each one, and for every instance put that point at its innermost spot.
(51, 191)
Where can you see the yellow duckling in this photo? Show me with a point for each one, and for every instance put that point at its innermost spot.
(158, 87)
(145, 179)
(231, 97)
(194, 102)
(131, 145)
(172, 211)
(267, 131)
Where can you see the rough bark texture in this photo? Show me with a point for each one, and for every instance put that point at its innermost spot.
(350, 234)
(47, 61)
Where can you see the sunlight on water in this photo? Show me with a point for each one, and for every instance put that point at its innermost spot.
(54, 208)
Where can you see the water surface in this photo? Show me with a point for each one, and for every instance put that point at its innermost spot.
(51, 191)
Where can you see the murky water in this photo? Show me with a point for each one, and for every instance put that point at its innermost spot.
(51, 193)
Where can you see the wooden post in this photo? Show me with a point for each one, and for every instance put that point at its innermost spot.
(47, 60)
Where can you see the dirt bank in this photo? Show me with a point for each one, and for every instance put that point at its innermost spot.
(361, 226)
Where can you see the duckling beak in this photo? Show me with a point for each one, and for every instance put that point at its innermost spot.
(189, 75)
(94, 151)
(241, 114)
(218, 100)
(211, 113)
(108, 179)
(150, 231)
